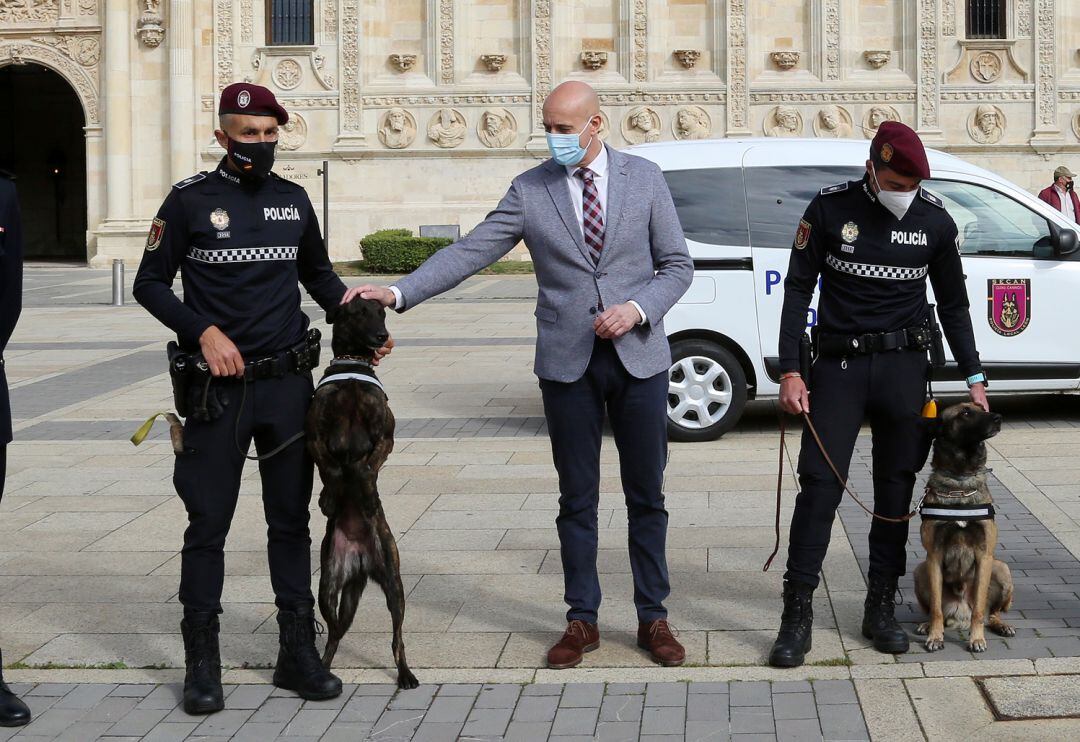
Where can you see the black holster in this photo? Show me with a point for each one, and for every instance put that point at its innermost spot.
(937, 347)
(185, 370)
(806, 358)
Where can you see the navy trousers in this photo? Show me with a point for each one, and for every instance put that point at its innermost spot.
(637, 409)
(889, 388)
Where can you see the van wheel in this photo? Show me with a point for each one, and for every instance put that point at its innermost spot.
(706, 391)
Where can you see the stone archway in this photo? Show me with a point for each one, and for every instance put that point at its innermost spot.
(51, 140)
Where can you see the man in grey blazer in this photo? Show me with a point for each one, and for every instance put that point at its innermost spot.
(610, 260)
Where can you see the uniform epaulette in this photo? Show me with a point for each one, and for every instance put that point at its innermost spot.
(928, 196)
(838, 188)
(280, 179)
(189, 181)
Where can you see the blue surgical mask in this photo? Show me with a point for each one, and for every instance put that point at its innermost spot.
(566, 149)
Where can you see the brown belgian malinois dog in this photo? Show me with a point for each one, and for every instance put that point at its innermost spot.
(350, 433)
(961, 581)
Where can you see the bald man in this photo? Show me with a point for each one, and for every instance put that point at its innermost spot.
(610, 262)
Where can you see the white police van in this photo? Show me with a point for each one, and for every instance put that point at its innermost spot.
(740, 201)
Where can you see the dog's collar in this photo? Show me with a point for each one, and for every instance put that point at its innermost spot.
(957, 512)
(351, 361)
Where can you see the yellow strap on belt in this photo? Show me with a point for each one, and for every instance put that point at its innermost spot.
(176, 430)
(930, 408)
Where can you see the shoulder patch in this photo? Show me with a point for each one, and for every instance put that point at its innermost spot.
(190, 181)
(802, 234)
(930, 197)
(157, 231)
(838, 188)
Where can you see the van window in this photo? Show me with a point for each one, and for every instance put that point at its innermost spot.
(989, 222)
(778, 197)
(710, 203)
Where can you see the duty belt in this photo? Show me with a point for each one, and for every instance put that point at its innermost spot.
(298, 359)
(909, 338)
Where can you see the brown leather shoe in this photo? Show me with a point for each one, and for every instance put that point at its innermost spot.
(580, 637)
(658, 638)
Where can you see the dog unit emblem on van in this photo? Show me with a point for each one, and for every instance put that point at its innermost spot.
(850, 232)
(802, 235)
(1008, 305)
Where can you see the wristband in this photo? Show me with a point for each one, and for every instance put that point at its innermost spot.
(790, 375)
(979, 378)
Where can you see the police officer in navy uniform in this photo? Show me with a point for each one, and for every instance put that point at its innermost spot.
(873, 242)
(244, 237)
(13, 712)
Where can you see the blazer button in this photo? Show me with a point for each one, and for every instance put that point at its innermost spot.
(592, 310)
(598, 274)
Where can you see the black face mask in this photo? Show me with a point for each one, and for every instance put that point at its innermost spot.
(253, 159)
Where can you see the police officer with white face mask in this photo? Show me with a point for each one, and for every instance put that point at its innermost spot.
(873, 242)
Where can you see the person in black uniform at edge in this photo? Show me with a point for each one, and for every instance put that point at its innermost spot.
(873, 242)
(13, 712)
(244, 237)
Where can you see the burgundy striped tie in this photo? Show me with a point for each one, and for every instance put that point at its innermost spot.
(593, 216)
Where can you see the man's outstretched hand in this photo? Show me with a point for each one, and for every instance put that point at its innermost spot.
(380, 294)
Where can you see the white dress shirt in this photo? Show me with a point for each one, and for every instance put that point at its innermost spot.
(1066, 202)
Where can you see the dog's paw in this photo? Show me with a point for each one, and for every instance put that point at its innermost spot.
(935, 643)
(1002, 629)
(977, 645)
(923, 629)
(406, 680)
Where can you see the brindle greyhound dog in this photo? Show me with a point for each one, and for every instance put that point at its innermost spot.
(960, 581)
(350, 432)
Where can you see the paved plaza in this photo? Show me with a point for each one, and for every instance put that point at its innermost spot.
(90, 530)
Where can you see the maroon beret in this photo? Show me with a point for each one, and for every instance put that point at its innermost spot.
(899, 147)
(251, 100)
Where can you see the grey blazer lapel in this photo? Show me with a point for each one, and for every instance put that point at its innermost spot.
(555, 181)
(618, 181)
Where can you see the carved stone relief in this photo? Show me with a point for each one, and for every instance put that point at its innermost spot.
(785, 60)
(541, 60)
(87, 7)
(877, 58)
(691, 122)
(497, 128)
(330, 25)
(150, 27)
(877, 115)
(948, 18)
(832, 39)
(738, 103)
(446, 41)
(28, 11)
(986, 67)
(223, 43)
(350, 65)
(447, 128)
(294, 133)
(593, 60)
(493, 62)
(86, 50)
(403, 62)
(1076, 125)
(783, 121)
(834, 122)
(1023, 18)
(986, 124)
(1046, 67)
(288, 74)
(57, 57)
(687, 57)
(397, 128)
(641, 125)
(928, 84)
(641, 40)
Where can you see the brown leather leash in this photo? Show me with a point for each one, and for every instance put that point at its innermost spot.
(835, 471)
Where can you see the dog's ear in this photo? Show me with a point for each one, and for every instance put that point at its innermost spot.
(332, 314)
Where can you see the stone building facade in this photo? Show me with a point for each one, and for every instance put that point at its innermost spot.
(425, 109)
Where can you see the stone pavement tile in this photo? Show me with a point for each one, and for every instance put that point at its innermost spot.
(445, 731)
(248, 696)
(416, 698)
(798, 730)
(85, 730)
(536, 708)
(258, 731)
(52, 722)
(792, 686)
(527, 731)
(625, 689)
(138, 722)
(622, 708)
(887, 710)
(497, 697)
(794, 706)
(617, 731)
(582, 695)
(542, 689)
(571, 738)
(842, 722)
(172, 732)
(111, 709)
(665, 694)
(132, 690)
(309, 723)
(460, 689)
(575, 721)
(85, 696)
(487, 722)
(663, 719)
(752, 720)
(363, 709)
(711, 707)
(336, 704)
(662, 738)
(277, 709)
(346, 732)
(753, 693)
(400, 724)
(223, 723)
(706, 731)
(375, 689)
(449, 708)
(834, 691)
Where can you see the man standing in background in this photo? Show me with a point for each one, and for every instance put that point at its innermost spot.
(1060, 194)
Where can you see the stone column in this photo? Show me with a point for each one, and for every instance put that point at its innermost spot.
(738, 73)
(541, 70)
(350, 105)
(182, 122)
(95, 181)
(1047, 128)
(119, 34)
(928, 97)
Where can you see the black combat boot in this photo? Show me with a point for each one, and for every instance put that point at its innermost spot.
(299, 667)
(13, 712)
(793, 641)
(202, 656)
(879, 622)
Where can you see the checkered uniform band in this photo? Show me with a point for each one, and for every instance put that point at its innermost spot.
(889, 272)
(242, 254)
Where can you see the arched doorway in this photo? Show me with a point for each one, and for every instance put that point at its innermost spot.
(42, 142)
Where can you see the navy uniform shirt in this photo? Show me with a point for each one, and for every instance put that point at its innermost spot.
(873, 270)
(242, 248)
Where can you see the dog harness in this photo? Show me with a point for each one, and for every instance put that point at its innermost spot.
(350, 369)
(961, 512)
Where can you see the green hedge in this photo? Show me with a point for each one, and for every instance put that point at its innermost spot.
(398, 251)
